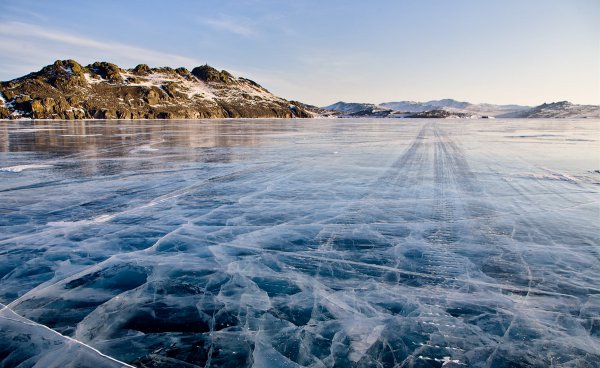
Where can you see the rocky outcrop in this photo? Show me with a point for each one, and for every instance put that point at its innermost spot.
(4, 113)
(67, 90)
(210, 74)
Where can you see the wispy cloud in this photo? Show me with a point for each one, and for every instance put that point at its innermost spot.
(27, 44)
(22, 12)
(232, 25)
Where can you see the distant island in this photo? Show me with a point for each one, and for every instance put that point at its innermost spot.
(68, 90)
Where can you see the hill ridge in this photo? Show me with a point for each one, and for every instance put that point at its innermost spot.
(102, 90)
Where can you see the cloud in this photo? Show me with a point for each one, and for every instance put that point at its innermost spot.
(231, 25)
(23, 45)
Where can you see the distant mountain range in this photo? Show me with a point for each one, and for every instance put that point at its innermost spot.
(562, 109)
(68, 90)
(449, 108)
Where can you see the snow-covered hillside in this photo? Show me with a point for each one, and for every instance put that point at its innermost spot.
(454, 108)
(350, 107)
(562, 109)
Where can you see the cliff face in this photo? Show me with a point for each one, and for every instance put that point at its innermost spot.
(67, 90)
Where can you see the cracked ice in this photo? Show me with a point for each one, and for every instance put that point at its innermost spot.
(300, 243)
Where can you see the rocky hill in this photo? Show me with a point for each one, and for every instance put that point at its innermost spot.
(455, 106)
(351, 109)
(412, 106)
(562, 109)
(67, 90)
(438, 114)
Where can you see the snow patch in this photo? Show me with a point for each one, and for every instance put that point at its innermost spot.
(198, 88)
(157, 79)
(73, 109)
(68, 70)
(88, 77)
(195, 88)
(256, 92)
(19, 168)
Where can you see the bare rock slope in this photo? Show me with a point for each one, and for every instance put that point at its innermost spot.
(67, 90)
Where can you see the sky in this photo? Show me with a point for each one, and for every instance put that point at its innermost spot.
(321, 52)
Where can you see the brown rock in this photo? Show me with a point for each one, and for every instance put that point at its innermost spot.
(142, 69)
(124, 114)
(8, 94)
(152, 97)
(171, 89)
(209, 74)
(37, 109)
(184, 73)
(106, 70)
(4, 113)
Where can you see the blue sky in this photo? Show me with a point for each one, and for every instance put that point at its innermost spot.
(319, 52)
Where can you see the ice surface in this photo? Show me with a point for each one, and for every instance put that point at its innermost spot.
(29, 344)
(300, 243)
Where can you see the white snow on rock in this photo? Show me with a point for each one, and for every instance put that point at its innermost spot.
(157, 79)
(92, 80)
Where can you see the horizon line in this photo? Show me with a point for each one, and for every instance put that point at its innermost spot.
(550, 101)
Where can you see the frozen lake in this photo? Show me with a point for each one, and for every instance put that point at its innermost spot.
(300, 243)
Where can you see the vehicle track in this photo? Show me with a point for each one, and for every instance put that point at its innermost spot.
(403, 178)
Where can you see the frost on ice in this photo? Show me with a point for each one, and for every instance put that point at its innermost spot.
(249, 243)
